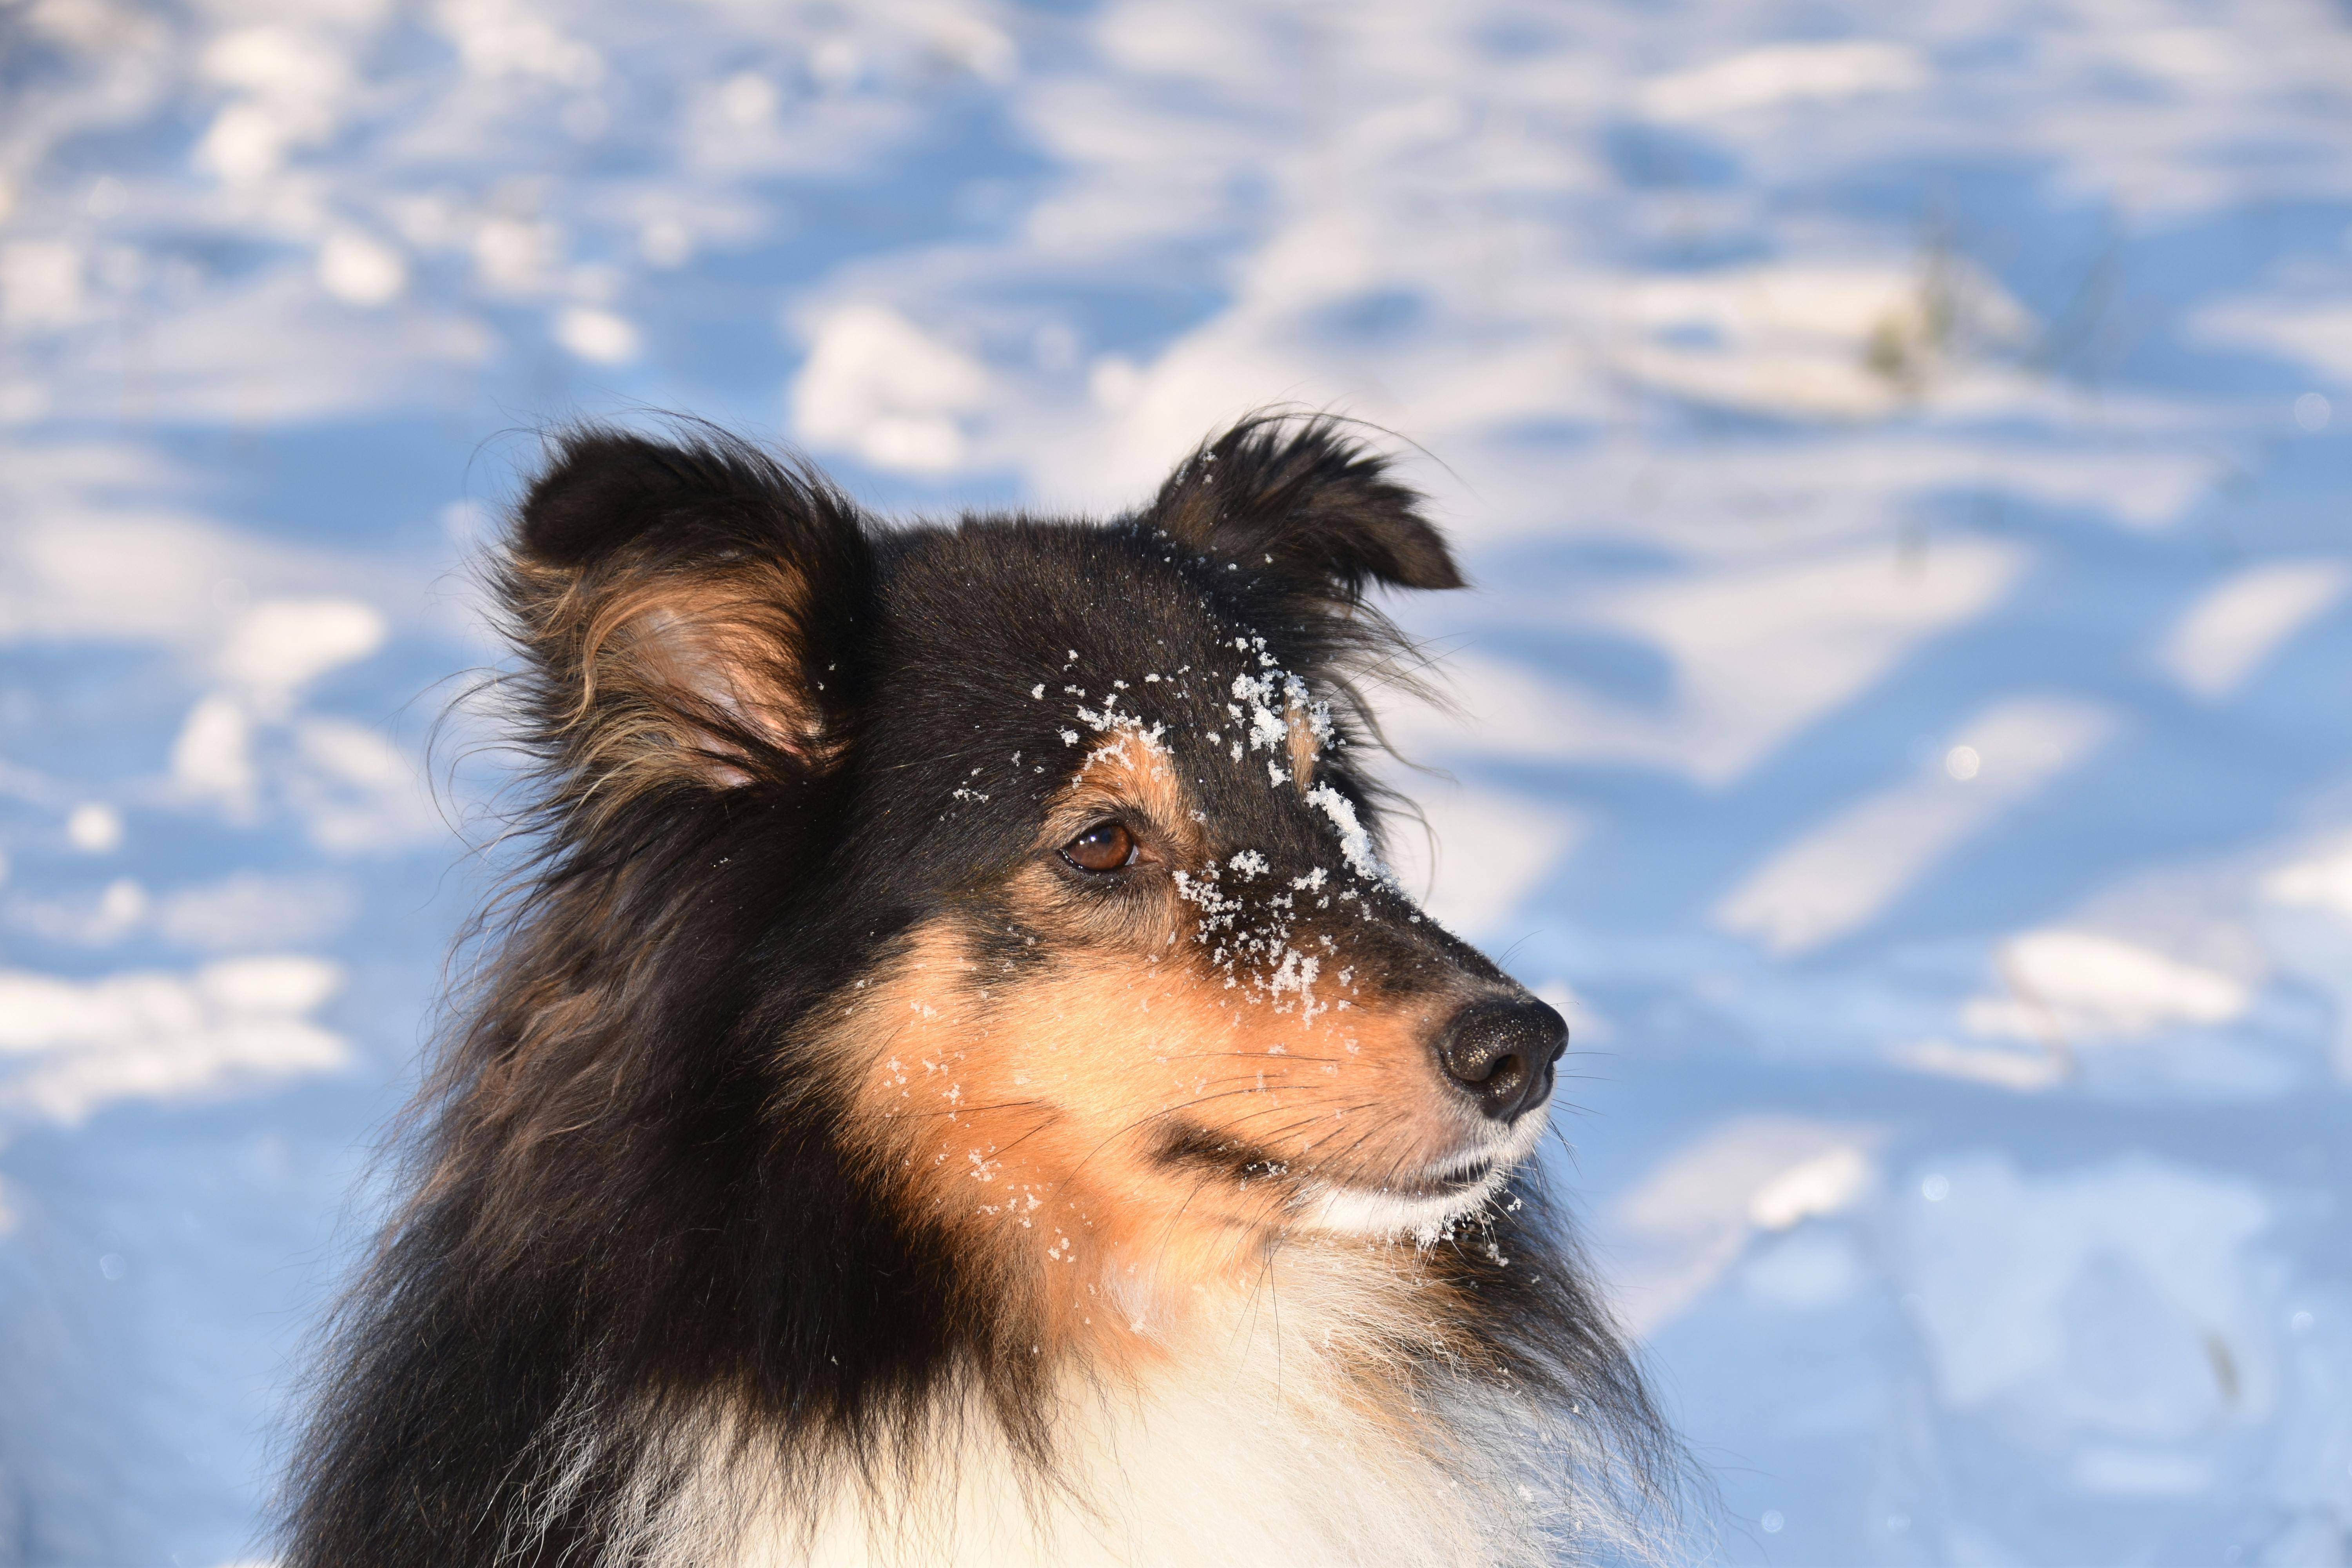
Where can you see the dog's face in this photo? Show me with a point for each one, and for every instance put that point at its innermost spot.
(1116, 977)
(1162, 995)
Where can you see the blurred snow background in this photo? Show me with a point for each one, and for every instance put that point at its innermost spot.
(1902, 451)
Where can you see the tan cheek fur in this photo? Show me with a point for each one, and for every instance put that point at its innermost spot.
(1027, 1113)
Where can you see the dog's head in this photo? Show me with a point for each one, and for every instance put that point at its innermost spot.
(1047, 846)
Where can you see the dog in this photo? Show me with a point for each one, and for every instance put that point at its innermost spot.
(956, 1085)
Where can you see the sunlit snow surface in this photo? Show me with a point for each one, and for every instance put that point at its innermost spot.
(1907, 700)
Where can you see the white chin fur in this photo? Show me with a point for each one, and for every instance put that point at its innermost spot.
(1387, 1214)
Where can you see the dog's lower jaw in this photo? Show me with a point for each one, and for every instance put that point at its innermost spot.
(1430, 1202)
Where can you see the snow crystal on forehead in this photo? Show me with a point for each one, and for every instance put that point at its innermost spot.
(1114, 750)
(1108, 718)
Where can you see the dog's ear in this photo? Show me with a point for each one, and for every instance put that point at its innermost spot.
(1302, 498)
(689, 609)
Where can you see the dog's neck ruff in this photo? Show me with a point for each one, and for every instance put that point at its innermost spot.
(1316, 1420)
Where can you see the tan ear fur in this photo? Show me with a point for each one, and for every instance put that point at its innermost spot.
(695, 672)
(681, 605)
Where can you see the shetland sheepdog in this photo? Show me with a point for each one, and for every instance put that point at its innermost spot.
(956, 1085)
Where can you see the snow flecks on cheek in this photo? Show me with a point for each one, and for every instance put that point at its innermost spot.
(1249, 942)
(1295, 975)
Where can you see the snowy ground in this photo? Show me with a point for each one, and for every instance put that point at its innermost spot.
(1909, 692)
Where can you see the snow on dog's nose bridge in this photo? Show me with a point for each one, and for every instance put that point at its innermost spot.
(1298, 942)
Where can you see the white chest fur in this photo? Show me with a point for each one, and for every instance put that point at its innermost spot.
(1261, 1440)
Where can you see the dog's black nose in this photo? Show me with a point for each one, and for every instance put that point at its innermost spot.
(1502, 1052)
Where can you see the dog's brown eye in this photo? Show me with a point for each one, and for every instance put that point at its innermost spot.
(1105, 847)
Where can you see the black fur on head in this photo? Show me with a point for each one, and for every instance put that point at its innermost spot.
(1299, 496)
(770, 739)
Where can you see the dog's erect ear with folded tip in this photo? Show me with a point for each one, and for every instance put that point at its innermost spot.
(689, 609)
(1302, 498)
